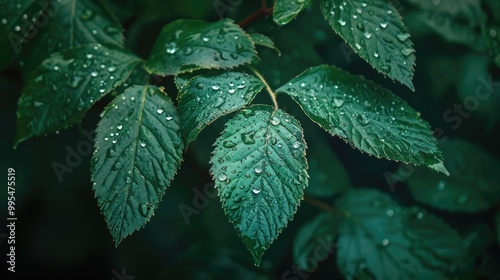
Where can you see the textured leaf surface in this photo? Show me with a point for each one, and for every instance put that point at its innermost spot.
(365, 115)
(260, 171)
(315, 240)
(187, 45)
(473, 184)
(263, 40)
(61, 90)
(16, 20)
(138, 150)
(69, 24)
(380, 240)
(285, 10)
(375, 31)
(205, 98)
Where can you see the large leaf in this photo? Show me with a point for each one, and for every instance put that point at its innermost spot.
(260, 171)
(138, 150)
(16, 21)
(472, 186)
(380, 240)
(187, 45)
(61, 90)
(377, 33)
(68, 24)
(286, 10)
(328, 176)
(315, 240)
(364, 114)
(205, 98)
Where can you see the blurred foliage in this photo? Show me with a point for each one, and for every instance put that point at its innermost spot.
(457, 80)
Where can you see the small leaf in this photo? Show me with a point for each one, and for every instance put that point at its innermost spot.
(263, 40)
(377, 33)
(138, 150)
(205, 98)
(472, 185)
(285, 10)
(315, 240)
(378, 239)
(260, 171)
(61, 90)
(67, 25)
(328, 176)
(187, 45)
(15, 26)
(365, 115)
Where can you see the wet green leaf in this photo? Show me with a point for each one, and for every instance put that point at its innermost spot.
(187, 45)
(286, 10)
(379, 239)
(472, 184)
(138, 150)
(205, 98)
(365, 115)
(260, 171)
(61, 90)
(263, 40)
(376, 32)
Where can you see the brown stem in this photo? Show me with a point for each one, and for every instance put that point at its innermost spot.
(263, 11)
(321, 205)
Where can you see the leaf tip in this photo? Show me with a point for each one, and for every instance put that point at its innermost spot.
(439, 167)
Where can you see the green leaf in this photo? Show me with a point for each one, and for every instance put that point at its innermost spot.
(61, 90)
(15, 26)
(379, 239)
(138, 150)
(187, 45)
(206, 98)
(377, 33)
(260, 171)
(263, 40)
(315, 240)
(285, 11)
(71, 23)
(492, 37)
(328, 177)
(365, 115)
(472, 185)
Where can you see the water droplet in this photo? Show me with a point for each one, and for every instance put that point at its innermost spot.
(296, 145)
(403, 36)
(275, 121)
(420, 215)
(200, 86)
(143, 144)
(222, 177)
(205, 39)
(215, 87)
(358, 46)
(389, 212)
(219, 102)
(116, 166)
(159, 111)
(375, 54)
(256, 190)
(441, 185)
(128, 180)
(87, 15)
(119, 127)
(171, 48)
(342, 22)
(89, 56)
(385, 242)
(169, 118)
(75, 81)
(17, 28)
(385, 68)
(383, 24)
(257, 170)
(111, 69)
(367, 35)
(94, 74)
(3, 21)
(338, 102)
(360, 26)
(248, 137)
(407, 51)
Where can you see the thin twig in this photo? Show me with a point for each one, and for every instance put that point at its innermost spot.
(320, 204)
(268, 88)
